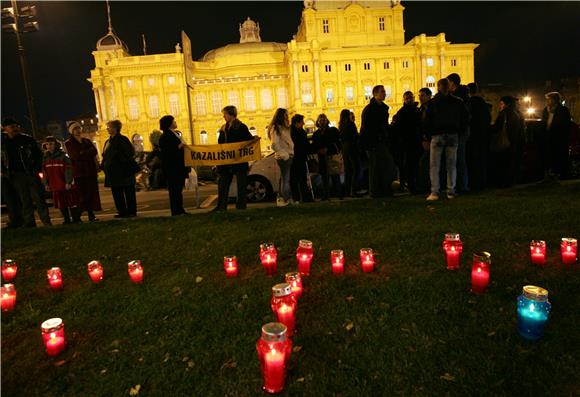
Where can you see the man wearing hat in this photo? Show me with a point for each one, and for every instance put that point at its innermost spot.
(22, 188)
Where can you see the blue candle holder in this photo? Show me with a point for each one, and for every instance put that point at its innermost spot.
(533, 312)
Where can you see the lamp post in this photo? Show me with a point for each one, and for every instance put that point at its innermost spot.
(16, 24)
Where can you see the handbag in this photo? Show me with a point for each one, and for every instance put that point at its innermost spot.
(500, 141)
(335, 163)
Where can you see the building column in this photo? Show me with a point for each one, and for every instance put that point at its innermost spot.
(423, 76)
(317, 81)
(296, 84)
(442, 61)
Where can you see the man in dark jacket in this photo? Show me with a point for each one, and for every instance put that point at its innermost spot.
(232, 131)
(299, 169)
(373, 139)
(478, 142)
(120, 169)
(556, 122)
(447, 118)
(173, 163)
(423, 183)
(407, 126)
(462, 92)
(22, 188)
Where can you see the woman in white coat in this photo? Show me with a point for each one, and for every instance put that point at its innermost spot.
(279, 134)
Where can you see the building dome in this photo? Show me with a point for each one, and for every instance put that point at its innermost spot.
(111, 42)
(244, 48)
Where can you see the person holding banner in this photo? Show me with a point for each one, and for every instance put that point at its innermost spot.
(283, 146)
(232, 131)
(172, 162)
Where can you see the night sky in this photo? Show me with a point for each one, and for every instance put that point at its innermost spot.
(520, 42)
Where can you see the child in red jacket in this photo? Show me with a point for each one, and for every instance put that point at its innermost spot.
(58, 179)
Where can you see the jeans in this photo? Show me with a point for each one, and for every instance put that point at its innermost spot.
(226, 175)
(125, 200)
(284, 190)
(462, 176)
(443, 143)
(351, 169)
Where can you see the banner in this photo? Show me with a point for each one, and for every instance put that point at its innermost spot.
(225, 154)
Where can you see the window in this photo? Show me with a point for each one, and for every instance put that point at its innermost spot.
(266, 98)
(429, 61)
(200, 104)
(253, 131)
(171, 80)
(133, 108)
(325, 28)
(216, 102)
(327, 68)
(386, 65)
(233, 99)
(349, 94)
(151, 82)
(203, 138)
(368, 92)
(381, 23)
(329, 95)
(154, 106)
(130, 83)
(430, 81)
(454, 62)
(174, 104)
(405, 64)
(388, 92)
(367, 66)
(304, 68)
(347, 67)
(282, 97)
(307, 93)
(250, 100)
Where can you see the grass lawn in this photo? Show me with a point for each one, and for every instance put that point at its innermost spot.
(410, 328)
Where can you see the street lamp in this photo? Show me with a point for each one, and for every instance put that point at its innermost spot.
(527, 99)
(22, 21)
(531, 111)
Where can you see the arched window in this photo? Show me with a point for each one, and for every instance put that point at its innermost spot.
(174, 104)
(253, 131)
(430, 81)
(203, 137)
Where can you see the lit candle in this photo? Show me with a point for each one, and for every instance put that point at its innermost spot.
(480, 272)
(538, 252)
(304, 254)
(53, 336)
(8, 297)
(337, 261)
(367, 260)
(453, 247)
(9, 269)
(295, 281)
(231, 266)
(135, 271)
(569, 249)
(54, 276)
(274, 350)
(284, 305)
(268, 257)
(533, 311)
(95, 271)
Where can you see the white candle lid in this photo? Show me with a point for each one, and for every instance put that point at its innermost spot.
(51, 324)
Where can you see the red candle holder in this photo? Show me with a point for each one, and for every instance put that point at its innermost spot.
(135, 271)
(53, 336)
(304, 254)
(9, 269)
(95, 271)
(274, 350)
(268, 257)
(569, 250)
(284, 305)
(367, 259)
(480, 272)
(295, 281)
(231, 266)
(8, 297)
(453, 247)
(538, 252)
(54, 276)
(337, 261)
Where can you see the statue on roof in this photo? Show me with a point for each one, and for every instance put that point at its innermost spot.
(250, 32)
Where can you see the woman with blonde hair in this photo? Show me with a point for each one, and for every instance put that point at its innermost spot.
(283, 147)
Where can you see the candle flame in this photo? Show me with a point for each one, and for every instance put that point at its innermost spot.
(568, 248)
(52, 335)
(532, 307)
(452, 248)
(479, 269)
(537, 250)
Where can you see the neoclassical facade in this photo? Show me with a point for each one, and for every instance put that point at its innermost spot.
(340, 51)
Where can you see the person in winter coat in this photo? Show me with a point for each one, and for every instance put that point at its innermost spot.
(83, 155)
(447, 119)
(407, 126)
(58, 179)
(232, 131)
(153, 162)
(504, 160)
(299, 171)
(22, 188)
(283, 147)
(373, 139)
(478, 142)
(461, 91)
(120, 169)
(326, 142)
(556, 123)
(423, 182)
(172, 161)
(350, 151)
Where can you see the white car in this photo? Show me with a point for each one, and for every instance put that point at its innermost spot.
(263, 180)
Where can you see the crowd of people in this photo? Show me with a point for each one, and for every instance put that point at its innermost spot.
(443, 143)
